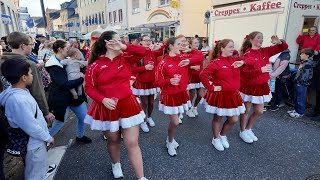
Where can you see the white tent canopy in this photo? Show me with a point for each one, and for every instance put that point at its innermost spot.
(88, 35)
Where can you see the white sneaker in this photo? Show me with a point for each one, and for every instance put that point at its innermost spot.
(121, 136)
(295, 115)
(105, 138)
(217, 144)
(245, 137)
(51, 170)
(138, 100)
(195, 111)
(224, 141)
(252, 135)
(174, 142)
(144, 127)
(151, 122)
(143, 178)
(181, 116)
(180, 121)
(155, 96)
(171, 150)
(291, 111)
(190, 113)
(117, 171)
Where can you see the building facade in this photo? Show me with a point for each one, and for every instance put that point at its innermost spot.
(92, 13)
(117, 16)
(165, 19)
(9, 17)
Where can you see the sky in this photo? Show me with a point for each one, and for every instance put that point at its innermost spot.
(34, 6)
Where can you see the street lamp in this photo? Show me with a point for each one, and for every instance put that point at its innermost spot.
(44, 18)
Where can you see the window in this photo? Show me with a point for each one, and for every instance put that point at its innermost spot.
(148, 4)
(96, 19)
(114, 16)
(164, 2)
(103, 18)
(120, 15)
(99, 18)
(110, 17)
(135, 6)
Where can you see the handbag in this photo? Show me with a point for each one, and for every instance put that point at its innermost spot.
(18, 141)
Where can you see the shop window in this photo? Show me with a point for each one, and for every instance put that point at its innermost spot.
(100, 18)
(110, 18)
(164, 2)
(114, 16)
(148, 4)
(308, 22)
(135, 6)
(103, 18)
(120, 15)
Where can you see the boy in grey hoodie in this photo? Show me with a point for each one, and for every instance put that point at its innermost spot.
(20, 110)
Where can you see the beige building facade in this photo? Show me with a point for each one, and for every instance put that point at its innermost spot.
(9, 17)
(92, 13)
(165, 20)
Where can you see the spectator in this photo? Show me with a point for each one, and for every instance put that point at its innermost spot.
(60, 99)
(3, 137)
(23, 112)
(39, 43)
(281, 71)
(302, 81)
(86, 48)
(22, 44)
(94, 37)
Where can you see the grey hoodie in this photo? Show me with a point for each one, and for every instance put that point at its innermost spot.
(20, 109)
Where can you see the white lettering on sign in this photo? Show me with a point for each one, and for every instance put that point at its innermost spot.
(247, 8)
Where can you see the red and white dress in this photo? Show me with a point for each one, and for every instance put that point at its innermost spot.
(228, 101)
(254, 84)
(144, 83)
(174, 99)
(110, 79)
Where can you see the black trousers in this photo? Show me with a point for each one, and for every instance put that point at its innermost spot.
(2, 150)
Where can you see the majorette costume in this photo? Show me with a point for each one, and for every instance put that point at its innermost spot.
(228, 101)
(110, 79)
(254, 84)
(144, 83)
(174, 99)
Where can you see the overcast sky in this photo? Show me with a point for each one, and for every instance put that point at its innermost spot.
(34, 6)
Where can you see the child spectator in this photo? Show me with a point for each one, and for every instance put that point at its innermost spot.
(73, 69)
(302, 81)
(23, 112)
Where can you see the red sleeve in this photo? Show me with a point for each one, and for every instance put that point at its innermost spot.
(273, 50)
(247, 60)
(300, 39)
(87, 55)
(160, 79)
(206, 72)
(318, 44)
(90, 85)
(196, 56)
(136, 69)
(159, 52)
(134, 53)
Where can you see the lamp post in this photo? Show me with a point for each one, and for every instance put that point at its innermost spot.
(44, 18)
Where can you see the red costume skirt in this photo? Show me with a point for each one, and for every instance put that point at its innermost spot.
(128, 113)
(224, 103)
(144, 89)
(256, 94)
(194, 82)
(175, 103)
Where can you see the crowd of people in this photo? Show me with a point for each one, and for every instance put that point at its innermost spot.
(42, 80)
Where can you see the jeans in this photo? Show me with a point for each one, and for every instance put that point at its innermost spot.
(2, 150)
(277, 95)
(300, 95)
(36, 165)
(80, 112)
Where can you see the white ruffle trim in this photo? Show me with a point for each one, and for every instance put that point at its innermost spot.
(174, 109)
(113, 126)
(224, 111)
(195, 86)
(143, 92)
(256, 99)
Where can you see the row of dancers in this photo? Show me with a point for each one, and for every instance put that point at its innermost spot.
(234, 86)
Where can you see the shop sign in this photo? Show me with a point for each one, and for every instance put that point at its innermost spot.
(249, 8)
(306, 6)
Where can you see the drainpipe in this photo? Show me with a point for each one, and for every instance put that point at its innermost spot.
(287, 20)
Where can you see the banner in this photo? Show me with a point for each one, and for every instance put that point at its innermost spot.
(23, 10)
(6, 19)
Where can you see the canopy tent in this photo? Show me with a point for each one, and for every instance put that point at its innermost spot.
(88, 35)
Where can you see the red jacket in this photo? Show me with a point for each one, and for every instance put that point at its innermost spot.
(195, 52)
(168, 67)
(252, 74)
(107, 79)
(221, 73)
(309, 42)
(143, 75)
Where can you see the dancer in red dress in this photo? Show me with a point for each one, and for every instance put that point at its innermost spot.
(195, 86)
(186, 53)
(254, 80)
(114, 105)
(172, 78)
(145, 76)
(223, 97)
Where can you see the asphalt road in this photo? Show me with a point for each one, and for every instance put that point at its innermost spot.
(287, 149)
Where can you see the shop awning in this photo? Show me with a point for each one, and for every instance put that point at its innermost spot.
(158, 25)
